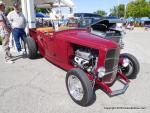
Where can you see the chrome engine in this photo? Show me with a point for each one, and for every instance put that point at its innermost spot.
(85, 59)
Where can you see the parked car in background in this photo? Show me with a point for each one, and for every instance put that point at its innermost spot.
(92, 16)
(147, 25)
(88, 15)
(111, 17)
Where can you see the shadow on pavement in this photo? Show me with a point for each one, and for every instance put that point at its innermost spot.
(24, 56)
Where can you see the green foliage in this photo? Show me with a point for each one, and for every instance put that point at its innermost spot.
(101, 12)
(43, 10)
(138, 8)
(8, 9)
(113, 11)
(118, 11)
(121, 10)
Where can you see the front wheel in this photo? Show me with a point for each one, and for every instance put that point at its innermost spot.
(133, 67)
(79, 87)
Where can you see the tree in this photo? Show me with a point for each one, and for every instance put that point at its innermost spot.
(101, 12)
(43, 10)
(118, 11)
(121, 10)
(113, 11)
(8, 9)
(138, 8)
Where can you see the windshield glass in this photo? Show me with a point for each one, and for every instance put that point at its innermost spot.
(81, 22)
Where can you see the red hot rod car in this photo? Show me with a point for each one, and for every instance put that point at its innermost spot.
(91, 56)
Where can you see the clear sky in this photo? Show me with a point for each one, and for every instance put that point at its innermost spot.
(89, 6)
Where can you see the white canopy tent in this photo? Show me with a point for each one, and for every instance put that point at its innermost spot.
(48, 5)
(28, 8)
(55, 3)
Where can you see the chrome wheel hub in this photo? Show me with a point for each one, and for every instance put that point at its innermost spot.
(75, 87)
(129, 69)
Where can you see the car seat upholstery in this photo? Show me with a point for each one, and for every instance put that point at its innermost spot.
(47, 29)
(51, 29)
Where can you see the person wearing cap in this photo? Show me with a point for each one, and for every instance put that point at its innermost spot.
(5, 29)
(18, 23)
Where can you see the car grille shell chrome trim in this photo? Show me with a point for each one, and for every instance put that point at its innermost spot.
(111, 65)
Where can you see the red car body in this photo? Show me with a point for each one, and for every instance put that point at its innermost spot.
(62, 47)
(56, 46)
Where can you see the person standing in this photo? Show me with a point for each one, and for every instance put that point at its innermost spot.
(5, 29)
(54, 19)
(18, 22)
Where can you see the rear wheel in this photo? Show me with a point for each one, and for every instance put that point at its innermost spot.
(79, 87)
(133, 68)
(31, 48)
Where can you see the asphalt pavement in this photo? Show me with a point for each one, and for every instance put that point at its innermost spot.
(37, 86)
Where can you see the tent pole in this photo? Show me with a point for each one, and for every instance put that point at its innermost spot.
(31, 13)
(24, 11)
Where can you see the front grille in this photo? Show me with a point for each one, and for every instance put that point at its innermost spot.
(110, 77)
(112, 58)
(111, 64)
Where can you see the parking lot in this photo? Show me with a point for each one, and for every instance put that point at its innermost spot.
(37, 86)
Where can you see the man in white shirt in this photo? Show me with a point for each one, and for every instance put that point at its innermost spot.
(18, 23)
(5, 29)
(54, 19)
